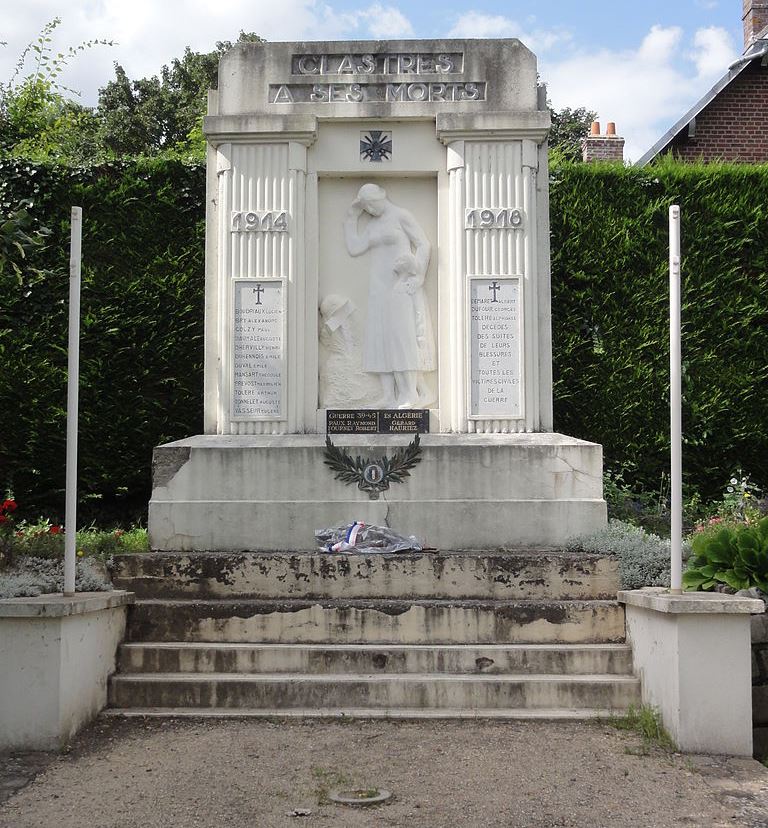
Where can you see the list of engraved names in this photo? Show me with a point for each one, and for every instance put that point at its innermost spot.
(257, 349)
(495, 348)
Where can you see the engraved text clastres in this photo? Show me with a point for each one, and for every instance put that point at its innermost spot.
(431, 79)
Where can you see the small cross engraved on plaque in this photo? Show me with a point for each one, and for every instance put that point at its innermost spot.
(495, 287)
(258, 290)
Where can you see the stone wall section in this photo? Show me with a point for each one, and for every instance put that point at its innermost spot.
(603, 149)
(755, 20)
(597, 147)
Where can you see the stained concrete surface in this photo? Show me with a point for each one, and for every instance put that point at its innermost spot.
(260, 774)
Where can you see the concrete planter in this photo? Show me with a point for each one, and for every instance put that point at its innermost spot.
(692, 654)
(57, 654)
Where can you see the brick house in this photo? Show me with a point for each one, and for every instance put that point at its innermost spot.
(730, 123)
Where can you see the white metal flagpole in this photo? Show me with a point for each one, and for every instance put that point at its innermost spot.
(73, 381)
(675, 406)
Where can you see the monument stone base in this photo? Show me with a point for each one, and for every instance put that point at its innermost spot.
(472, 491)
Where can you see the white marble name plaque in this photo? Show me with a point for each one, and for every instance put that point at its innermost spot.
(258, 349)
(495, 376)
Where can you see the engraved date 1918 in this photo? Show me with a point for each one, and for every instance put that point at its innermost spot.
(505, 218)
(250, 221)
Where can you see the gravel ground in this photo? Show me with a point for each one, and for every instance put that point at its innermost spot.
(254, 774)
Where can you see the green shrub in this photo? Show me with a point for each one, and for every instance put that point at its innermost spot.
(141, 346)
(733, 555)
(43, 540)
(610, 289)
(643, 558)
(38, 576)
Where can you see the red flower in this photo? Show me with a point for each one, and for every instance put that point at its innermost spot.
(9, 505)
(4, 518)
(54, 530)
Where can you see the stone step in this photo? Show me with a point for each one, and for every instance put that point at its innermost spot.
(202, 657)
(510, 575)
(410, 691)
(346, 713)
(294, 621)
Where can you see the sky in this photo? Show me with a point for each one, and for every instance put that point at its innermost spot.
(640, 64)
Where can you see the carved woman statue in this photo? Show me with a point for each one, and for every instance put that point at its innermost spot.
(399, 343)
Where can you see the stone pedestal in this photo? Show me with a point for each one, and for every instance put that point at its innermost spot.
(377, 237)
(468, 492)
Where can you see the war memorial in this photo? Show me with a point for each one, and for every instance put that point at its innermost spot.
(379, 354)
(377, 266)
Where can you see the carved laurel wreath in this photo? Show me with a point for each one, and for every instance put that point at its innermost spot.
(372, 476)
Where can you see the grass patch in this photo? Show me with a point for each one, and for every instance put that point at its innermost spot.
(646, 722)
(326, 780)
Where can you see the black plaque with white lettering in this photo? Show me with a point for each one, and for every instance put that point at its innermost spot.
(377, 421)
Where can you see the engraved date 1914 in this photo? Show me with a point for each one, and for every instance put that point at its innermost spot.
(263, 221)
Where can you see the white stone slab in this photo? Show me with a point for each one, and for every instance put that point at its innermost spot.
(57, 605)
(660, 599)
(359, 79)
(495, 371)
(258, 349)
(468, 491)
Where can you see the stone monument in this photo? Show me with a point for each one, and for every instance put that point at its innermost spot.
(377, 265)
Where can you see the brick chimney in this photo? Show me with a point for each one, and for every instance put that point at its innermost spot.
(597, 147)
(755, 19)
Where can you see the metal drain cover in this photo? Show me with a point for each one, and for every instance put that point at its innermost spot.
(360, 797)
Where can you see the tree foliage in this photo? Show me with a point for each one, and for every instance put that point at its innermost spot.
(569, 128)
(160, 114)
(153, 115)
(38, 118)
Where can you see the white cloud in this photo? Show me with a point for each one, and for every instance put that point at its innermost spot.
(658, 45)
(478, 24)
(714, 51)
(387, 22)
(645, 90)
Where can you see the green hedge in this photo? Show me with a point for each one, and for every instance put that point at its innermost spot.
(141, 348)
(141, 338)
(610, 282)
